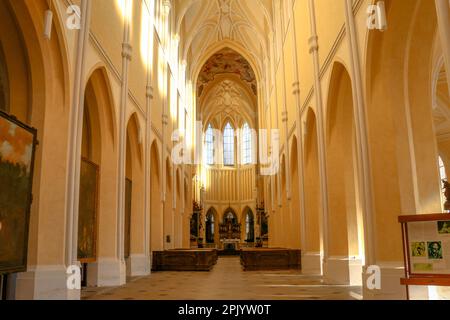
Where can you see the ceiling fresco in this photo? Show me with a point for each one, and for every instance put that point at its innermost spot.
(226, 61)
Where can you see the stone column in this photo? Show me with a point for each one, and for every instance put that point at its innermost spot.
(127, 51)
(314, 50)
(299, 129)
(362, 142)
(391, 274)
(76, 136)
(166, 6)
(45, 282)
(147, 169)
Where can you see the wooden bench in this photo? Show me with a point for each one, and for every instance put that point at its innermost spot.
(215, 252)
(184, 260)
(270, 259)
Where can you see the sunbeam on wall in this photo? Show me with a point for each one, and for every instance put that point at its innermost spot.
(125, 8)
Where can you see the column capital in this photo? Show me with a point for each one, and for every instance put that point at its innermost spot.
(165, 119)
(284, 116)
(296, 88)
(149, 92)
(313, 44)
(127, 51)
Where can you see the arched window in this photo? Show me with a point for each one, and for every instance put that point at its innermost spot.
(209, 145)
(246, 144)
(210, 227)
(228, 145)
(249, 227)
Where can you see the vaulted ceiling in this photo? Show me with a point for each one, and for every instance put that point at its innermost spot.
(205, 24)
(226, 62)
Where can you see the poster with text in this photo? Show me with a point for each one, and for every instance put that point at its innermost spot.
(429, 247)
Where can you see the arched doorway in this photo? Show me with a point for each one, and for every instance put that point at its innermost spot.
(210, 227)
(285, 223)
(34, 84)
(169, 210)
(295, 200)
(405, 175)
(134, 199)
(312, 248)
(186, 217)
(178, 235)
(97, 200)
(156, 214)
(249, 227)
(345, 229)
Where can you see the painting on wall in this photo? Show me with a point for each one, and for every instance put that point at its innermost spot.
(17, 150)
(87, 214)
(226, 61)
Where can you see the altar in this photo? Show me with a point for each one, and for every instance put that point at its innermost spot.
(230, 244)
(230, 233)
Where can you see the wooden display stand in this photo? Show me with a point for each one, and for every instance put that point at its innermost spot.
(426, 250)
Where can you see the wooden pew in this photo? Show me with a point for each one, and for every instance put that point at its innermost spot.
(184, 260)
(270, 259)
(215, 252)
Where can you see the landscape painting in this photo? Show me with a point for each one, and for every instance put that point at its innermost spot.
(17, 146)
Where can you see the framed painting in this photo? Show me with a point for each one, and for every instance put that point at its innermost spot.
(17, 151)
(87, 214)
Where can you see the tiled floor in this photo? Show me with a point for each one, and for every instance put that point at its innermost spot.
(226, 281)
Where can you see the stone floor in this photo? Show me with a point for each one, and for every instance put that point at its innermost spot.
(226, 281)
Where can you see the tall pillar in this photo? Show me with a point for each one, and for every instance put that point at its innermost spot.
(145, 266)
(76, 137)
(314, 49)
(285, 118)
(311, 259)
(443, 17)
(166, 6)
(120, 271)
(140, 264)
(164, 203)
(50, 282)
(391, 274)
(273, 239)
(238, 163)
